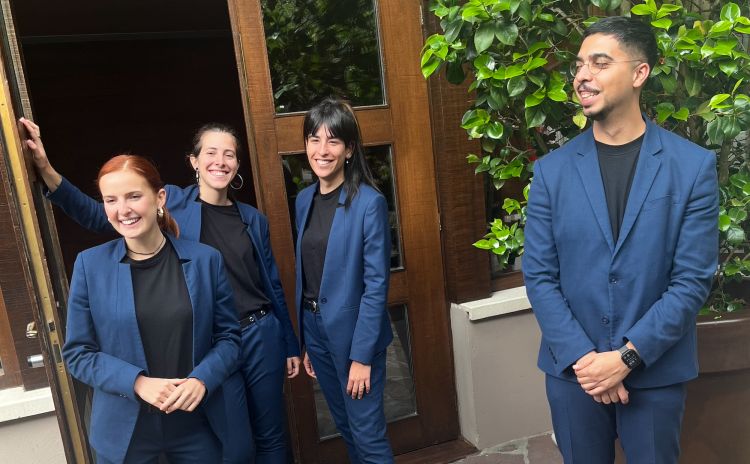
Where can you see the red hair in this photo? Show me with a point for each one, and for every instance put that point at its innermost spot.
(148, 171)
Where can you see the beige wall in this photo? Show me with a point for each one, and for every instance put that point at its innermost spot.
(34, 440)
(500, 391)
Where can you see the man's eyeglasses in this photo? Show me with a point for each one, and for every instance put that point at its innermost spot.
(595, 67)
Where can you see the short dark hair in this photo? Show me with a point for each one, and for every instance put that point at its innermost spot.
(633, 34)
(338, 117)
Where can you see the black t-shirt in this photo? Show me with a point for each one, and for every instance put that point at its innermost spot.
(164, 313)
(617, 164)
(315, 240)
(223, 229)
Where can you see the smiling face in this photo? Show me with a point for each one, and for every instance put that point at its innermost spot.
(131, 205)
(217, 161)
(618, 79)
(327, 156)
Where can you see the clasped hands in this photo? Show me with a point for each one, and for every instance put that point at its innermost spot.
(169, 395)
(601, 375)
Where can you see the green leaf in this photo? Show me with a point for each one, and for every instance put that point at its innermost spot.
(534, 116)
(682, 114)
(663, 23)
(473, 13)
(724, 222)
(642, 10)
(534, 63)
(430, 66)
(666, 9)
(579, 120)
(483, 244)
(735, 235)
(471, 158)
(495, 130)
(731, 127)
(728, 67)
(720, 28)
(663, 111)
(507, 34)
(737, 215)
(533, 100)
(557, 95)
(454, 72)
(535, 47)
(524, 12)
(453, 29)
(693, 83)
(715, 132)
(513, 71)
(484, 36)
(516, 86)
(668, 82)
(730, 12)
(717, 101)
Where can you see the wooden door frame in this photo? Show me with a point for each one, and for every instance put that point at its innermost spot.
(407, 105)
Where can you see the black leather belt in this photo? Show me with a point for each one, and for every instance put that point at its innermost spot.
(310, 305)
(255, 316)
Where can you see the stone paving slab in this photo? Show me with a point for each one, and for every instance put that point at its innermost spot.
(531, 450)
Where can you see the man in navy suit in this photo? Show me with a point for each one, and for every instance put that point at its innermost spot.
(621, 250)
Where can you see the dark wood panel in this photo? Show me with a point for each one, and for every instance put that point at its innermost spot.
(374, 122)
(15, 282)
(461, 192)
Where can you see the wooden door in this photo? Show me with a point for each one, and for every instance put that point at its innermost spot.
(395, 122)
(41, 263)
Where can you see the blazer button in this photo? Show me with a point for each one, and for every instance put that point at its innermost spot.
(605, 321)
(323, 300)
(613, 280)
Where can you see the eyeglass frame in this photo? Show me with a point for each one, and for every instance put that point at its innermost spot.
(575, 68)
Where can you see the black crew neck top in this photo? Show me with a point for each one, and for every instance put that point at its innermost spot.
(164, 313)
(617, 164)
(315, 240)
(223, 229)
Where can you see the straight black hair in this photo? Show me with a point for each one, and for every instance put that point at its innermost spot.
(633, 34)
(338, 117)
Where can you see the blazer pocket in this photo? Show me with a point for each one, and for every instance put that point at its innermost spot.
(349, 308)
(661, 202)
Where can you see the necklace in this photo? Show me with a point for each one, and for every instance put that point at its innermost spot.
(164, 239)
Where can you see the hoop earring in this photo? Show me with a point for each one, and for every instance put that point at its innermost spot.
(242, 182)
(160, 212)
(197, 176)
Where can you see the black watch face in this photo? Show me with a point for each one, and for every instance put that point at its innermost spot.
(631, 358)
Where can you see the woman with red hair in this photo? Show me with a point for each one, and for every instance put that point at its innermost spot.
(152, 328)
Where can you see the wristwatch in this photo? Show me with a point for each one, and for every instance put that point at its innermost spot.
(629, 357)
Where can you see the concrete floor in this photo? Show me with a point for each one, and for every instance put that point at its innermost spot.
(531, 450)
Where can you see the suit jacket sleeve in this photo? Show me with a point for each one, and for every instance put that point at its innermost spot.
(694, 266)
(80, 207)
(282, 312)
(541, 268)
(223, 358)
(81, 349)
(374, 301)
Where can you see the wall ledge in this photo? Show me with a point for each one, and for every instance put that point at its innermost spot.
(500, 303)
(16, 403)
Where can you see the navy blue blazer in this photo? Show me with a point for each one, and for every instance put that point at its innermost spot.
(353, 295)
(590, 293)
(182, 205)
(103, 347)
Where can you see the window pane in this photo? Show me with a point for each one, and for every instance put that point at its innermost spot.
(298, 175)
(399, 396)
(321, 48)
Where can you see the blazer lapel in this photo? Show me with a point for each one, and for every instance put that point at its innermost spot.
(194, 287)
(125, 307)
(336, 249)
(645, 173)
(591, 176)
(190, 228)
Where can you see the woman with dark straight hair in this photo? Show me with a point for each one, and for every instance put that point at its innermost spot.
(152, 328)
(343, 265)
(207, 213)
